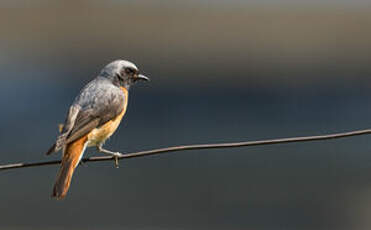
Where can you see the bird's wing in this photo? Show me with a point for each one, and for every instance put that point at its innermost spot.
(102, 105)
(66, 129)
(98, 102)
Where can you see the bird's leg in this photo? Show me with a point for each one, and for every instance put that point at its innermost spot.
(115, 155)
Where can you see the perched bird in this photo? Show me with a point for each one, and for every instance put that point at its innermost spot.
(93, 117)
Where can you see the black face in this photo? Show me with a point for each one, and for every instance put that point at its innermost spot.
(129, 71)
(129, 75)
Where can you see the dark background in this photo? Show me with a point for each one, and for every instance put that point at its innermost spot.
(221, 71)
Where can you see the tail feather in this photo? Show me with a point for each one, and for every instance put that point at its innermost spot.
(63, 181)
(71, 158)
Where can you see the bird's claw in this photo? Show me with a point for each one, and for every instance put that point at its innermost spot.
(116, 158)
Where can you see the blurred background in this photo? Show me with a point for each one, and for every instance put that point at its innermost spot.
(221, 71)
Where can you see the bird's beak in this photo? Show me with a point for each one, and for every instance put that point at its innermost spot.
(142, 77)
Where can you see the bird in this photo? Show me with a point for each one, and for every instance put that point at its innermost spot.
(92, 118)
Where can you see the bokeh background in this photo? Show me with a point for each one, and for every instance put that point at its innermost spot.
(221, 71)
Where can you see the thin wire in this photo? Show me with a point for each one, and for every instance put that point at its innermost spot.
(197, 147)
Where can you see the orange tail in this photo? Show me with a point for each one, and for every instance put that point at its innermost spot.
(71, 158)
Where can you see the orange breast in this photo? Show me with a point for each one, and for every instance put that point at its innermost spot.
(99, 135)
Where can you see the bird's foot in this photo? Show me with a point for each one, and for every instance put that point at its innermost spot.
(115, 155)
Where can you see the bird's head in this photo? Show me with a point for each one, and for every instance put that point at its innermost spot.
(122, 73)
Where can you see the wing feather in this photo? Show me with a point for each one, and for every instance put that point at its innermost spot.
(99, 102)
(66, 129)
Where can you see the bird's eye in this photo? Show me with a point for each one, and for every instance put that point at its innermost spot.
(130, 71)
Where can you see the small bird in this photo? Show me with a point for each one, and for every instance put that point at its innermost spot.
(92, 118)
